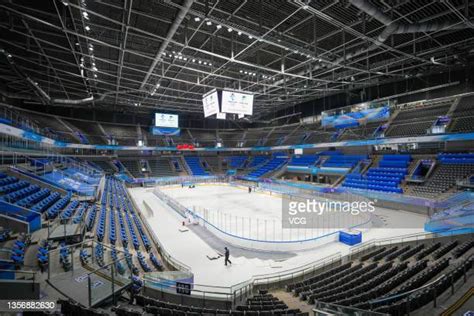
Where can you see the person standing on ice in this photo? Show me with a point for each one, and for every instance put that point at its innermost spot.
(250, 189)
(226, 255)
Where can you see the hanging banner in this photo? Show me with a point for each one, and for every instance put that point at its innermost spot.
(165, 131)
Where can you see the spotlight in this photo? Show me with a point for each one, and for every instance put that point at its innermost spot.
(209, 23)
(197, 19)
(85, 15)
(218, 26)
(87, 28)
(229, 30)
(250, 37)
(200, 62)
(239, 33)
(194, 60)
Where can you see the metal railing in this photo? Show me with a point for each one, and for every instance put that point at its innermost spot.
(323, 308)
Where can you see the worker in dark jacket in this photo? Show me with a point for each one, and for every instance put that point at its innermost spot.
(226, 255)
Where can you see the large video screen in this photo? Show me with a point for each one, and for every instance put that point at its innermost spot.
(166, 120)
(237, 102)
(210, 103)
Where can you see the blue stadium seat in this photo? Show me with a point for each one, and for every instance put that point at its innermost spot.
(195, 166)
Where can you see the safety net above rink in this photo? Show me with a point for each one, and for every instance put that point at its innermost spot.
(281, 220)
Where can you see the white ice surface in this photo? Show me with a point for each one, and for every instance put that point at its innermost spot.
(257, 215)
(191, 250)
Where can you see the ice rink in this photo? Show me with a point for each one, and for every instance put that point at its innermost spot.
(193, 247)
(256, 215)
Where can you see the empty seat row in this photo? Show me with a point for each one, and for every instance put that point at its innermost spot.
(276, 162)
(463, 248)
(56, 208)
(33, 198)
(19, 248)
(20, 194)
(44, 204)
(90, 220)
(360, 277)
(361, 300)
(7, 180)
(194, 164)
(15, 186)
(319, 277)
(69, 211)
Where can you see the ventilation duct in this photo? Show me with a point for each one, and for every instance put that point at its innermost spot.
(171, 31)
(397, 28)
(390, 29)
